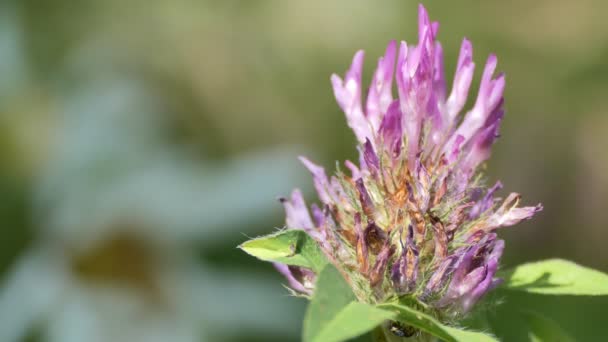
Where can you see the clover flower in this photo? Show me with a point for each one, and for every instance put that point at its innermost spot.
(414, 219)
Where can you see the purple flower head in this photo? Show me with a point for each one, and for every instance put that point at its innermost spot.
(413, 219)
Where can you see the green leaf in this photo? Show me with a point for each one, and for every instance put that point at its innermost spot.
(334, 315)
(543, 329)
(556, 277)
(290, 247)
(430, 325)
(332, 294)
(353, 320)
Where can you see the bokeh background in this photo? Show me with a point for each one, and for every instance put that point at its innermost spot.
(141, 141)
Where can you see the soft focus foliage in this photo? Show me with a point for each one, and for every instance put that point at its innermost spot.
(557, 277)
(225, 83)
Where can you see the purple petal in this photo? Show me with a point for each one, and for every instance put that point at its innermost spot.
(380, 92)
(486, 202)
(322, 185)
(415, 88)
(348, 96)
(397, 275)
(438, 123)
(463, 264)
(459, 288)
(371, 158)
(298, 217)
(296, 212)
(424, 23)
(439, 79)
(481, 147)
(456, 146)
(509, 214)
(462, 80)
(490, 95)
(338, 192)
(321, 234)
(362, 163)
(411, 117)
(422, 70)
(354, 170)
(497, 249)
(405, 271)
(474, 271)
(472, 280)
(516, 215)
(318, 215)
(435, 26)
(495, 93)
(294, 283)
(486, 84)
(401, 72)
(440, 274)
(482, 288)
(391, 129)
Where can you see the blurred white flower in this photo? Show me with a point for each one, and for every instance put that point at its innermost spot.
(121, 214)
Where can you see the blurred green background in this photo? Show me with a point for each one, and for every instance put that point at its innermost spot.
(141, 141)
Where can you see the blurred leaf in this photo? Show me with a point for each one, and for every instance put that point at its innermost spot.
(478, 319)
(430, 325)
(353, 320)
(332, 295)
(248, 297)
(543, 329)
(290, 247)
(556, 277)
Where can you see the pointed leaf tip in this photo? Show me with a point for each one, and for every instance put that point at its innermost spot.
(289, 247)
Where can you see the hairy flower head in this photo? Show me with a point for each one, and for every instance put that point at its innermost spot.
(414, 218)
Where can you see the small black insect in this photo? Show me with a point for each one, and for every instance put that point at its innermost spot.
(402, 330)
